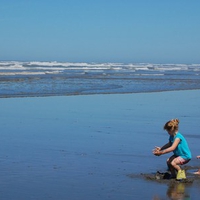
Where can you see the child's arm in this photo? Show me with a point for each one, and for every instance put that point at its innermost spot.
(169, 149)
(166, 146)
(157, 149)
(198, 157)
(163, 147)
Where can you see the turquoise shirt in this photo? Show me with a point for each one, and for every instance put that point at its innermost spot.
(182, 149)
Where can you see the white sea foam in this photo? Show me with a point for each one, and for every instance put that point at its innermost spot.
(12, 66)
(59, 67)
(20, 73)
(149, 74)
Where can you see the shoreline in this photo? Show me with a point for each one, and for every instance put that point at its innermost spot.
(90, 94)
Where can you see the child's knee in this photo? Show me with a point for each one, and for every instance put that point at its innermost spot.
(174, 163)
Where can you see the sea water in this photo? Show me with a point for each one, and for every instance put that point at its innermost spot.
(81, 147)
(93, 146)
(18, 79)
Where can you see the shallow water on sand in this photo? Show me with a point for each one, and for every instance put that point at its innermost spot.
(85, 147)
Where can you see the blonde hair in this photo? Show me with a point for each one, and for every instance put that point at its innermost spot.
(171, 125)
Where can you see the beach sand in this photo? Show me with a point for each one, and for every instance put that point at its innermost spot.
(94, 146)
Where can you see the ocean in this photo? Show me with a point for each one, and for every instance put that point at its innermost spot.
(77, 146)
(27, 79)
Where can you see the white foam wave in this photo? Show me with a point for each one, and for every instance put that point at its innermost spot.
(15, 66)
(20, 73)
(149, 74)
(60, 66)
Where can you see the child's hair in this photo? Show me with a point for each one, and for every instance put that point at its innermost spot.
(172, 125)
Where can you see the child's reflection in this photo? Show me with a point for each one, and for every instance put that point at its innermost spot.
(176, 191)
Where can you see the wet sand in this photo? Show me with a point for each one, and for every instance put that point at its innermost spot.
(86, 147)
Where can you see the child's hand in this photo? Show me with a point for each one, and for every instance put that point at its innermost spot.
(198, 157)
(157, 148)
(156, 151)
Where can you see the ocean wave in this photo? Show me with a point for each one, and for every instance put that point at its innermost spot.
(16, 65)
(66, 78)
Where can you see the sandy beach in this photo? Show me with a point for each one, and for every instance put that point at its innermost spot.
(86, 147)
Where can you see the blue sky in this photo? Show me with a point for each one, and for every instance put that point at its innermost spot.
(155, 31)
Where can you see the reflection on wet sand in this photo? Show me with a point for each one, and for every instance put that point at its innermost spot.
(176, 191)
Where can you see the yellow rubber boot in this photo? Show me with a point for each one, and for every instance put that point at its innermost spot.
(181, 175)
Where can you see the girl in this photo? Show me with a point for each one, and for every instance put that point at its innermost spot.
(178, 145)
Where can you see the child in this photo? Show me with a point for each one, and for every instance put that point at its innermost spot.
(198, 172)
(178, 145)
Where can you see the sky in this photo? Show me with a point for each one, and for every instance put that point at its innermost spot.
(127, 31)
